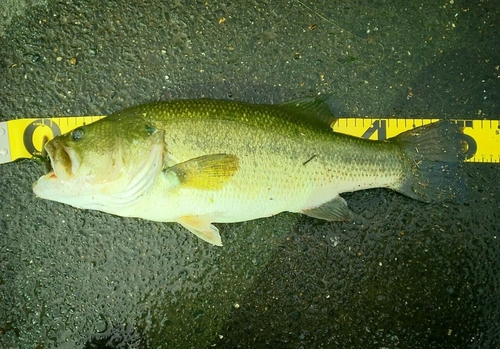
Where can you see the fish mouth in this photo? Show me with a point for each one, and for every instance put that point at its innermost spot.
(63, 160)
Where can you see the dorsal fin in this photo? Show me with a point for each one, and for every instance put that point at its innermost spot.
(315, 109)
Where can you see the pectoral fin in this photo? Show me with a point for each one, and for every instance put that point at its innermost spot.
(210, 172)
(201, 227)
(333, 210)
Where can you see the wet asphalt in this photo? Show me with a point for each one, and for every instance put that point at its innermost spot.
(402, 274)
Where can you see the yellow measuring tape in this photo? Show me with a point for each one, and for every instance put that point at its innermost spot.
(482, 136)
(24, 138)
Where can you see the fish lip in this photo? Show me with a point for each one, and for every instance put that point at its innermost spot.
(63, 160)
(49, 149)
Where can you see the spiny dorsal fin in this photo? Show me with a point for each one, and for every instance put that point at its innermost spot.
(315, 109)
(209, 172)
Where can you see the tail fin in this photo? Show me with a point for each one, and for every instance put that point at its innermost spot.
(434, 152)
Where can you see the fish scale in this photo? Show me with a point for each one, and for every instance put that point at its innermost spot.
(226, 161)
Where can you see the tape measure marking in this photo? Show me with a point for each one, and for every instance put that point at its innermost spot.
(482, 136)
(23, 138)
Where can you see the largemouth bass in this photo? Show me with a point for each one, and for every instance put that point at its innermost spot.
(196, 162)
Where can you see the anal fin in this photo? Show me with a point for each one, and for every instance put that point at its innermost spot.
(333, 210)
(202, 227)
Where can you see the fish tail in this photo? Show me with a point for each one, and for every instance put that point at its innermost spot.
(433, 153)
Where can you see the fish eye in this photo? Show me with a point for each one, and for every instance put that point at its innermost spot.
(77, 134)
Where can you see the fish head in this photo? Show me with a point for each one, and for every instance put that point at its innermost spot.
(93, 165)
